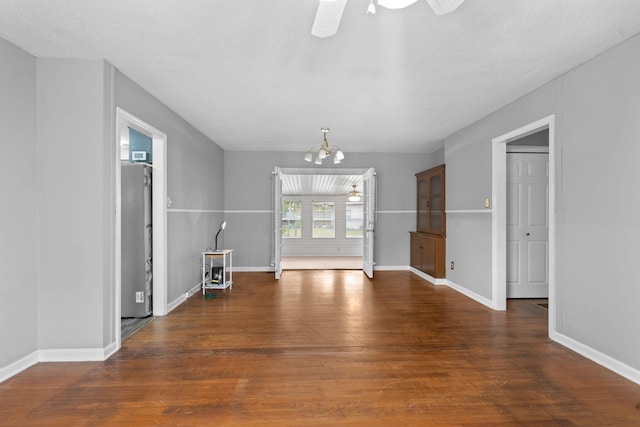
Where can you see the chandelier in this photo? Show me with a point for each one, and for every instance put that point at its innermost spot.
(325, 151)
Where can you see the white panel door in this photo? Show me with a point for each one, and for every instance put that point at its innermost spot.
(369, 217)
(527, 225)
(277, 221)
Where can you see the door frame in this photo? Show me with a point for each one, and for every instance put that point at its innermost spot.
(125, 120)
(499, 213)
(278, 171)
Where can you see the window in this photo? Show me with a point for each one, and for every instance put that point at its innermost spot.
(324, 219)
(355, 226)
(291, 221)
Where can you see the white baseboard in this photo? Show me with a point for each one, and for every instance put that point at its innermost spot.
(464, 291)
(428, 277)
(18, 366)
(72, 355)
(390, 268)
(176, 302)
(608, 362)
(254, 269)
(182, 298)
(191, 292)
(474, 296)
(58, 355)
(110, 350)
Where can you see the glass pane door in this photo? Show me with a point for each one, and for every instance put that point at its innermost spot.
(435, 204)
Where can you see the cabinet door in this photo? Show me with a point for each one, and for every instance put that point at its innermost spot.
(431, 201)
(416, 256)
(435, 204)
(428, 255)
(422, 220)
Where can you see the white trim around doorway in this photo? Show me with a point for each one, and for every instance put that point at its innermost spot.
(159, 216)
(499, 214)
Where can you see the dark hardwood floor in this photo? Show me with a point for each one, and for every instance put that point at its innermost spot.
(330, 348)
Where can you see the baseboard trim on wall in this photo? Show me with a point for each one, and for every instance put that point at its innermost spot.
(427, 277)
(182, 298)
(197, 288)
(254, 269)
(191, 292)
(72, 355)
(176, 302)
(18, 366)
(110, 350)
(474, 296)
(454, 286)
(57, 355)
(390, 267)
(602, 359)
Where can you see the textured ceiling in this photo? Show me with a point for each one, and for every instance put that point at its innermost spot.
(249, 75)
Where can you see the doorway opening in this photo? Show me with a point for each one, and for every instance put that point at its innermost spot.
(499, 212)
(323, 219)
(157, 236)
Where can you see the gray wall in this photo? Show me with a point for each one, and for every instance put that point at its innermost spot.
(468, 182)
(75, 232)
(18, 265)
(598, 281)
(194, 185)
(57, 129)
(597, 214)
(248, 201)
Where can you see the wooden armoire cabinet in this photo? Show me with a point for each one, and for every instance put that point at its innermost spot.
(428, 241)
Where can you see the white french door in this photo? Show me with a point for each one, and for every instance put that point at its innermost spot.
(369, 217)
(277, 217)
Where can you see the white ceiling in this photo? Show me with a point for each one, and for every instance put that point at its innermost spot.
(249, 75)
(330, 184)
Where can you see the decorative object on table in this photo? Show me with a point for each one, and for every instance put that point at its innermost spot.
(223, 224)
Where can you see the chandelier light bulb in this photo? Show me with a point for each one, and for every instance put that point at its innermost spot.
(309, 156)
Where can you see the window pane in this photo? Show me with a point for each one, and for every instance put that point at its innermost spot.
(324, 220)
(355, 227)
(291, 224)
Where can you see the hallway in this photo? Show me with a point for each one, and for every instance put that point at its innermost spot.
(330, 348)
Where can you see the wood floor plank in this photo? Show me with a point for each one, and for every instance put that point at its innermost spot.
(330, 348)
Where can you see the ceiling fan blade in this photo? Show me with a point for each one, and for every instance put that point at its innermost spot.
(440, 7)
(396, 4)
(328, 17)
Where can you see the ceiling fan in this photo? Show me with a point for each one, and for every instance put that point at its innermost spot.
(354, 195)
(330, 12)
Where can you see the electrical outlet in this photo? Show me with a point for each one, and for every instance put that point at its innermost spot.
(139, 297)
(452, 265)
